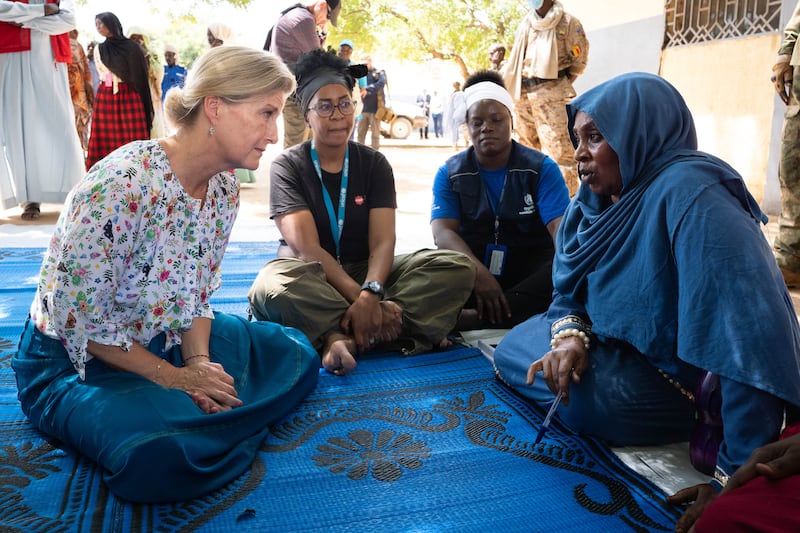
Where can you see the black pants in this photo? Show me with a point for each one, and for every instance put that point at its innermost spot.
(529, 296)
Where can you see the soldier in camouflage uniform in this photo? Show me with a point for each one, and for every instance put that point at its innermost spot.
(540, 80)
(787, 84)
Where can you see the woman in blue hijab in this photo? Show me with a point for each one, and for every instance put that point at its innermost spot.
(662, 273)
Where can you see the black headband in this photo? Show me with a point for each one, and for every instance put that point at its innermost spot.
(308, 85)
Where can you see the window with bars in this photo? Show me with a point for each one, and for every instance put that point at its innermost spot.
(702, 21)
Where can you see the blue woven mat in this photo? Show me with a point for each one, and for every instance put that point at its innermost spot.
(424, 443)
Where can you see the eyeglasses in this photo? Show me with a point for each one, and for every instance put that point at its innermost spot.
(325, 109)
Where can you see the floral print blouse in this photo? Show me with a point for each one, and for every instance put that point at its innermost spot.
(133, 255)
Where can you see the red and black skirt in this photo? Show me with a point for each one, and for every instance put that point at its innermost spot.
(117, 119)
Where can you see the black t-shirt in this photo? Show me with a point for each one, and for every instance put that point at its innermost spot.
(294, 186)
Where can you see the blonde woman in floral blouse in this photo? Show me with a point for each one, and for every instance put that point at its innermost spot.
(123, 358)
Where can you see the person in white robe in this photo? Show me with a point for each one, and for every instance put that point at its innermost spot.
(40, 153)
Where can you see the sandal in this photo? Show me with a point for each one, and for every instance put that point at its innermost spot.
(31, 211)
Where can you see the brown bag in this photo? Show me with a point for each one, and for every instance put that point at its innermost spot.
(383, 113)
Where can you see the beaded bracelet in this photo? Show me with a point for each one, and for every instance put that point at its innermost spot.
(570, 321)
(570, 332)
(195, 355)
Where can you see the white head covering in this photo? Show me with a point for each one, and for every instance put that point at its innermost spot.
(488, 90)
(221, 31)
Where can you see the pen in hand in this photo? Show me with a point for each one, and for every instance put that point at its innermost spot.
(546, 424)
(550, 413)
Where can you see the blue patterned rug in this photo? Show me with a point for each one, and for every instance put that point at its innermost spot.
(425, 443)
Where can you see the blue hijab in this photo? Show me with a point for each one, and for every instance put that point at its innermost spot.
(645, 278)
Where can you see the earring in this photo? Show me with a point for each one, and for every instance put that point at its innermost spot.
(211, 130)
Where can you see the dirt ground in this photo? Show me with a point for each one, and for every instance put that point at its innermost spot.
(414, 163)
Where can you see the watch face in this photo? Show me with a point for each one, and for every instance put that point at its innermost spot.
(374, 287)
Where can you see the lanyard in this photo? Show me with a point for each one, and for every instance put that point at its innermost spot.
(496, 209)
(334, 221)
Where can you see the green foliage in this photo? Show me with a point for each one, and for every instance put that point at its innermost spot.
(188, 35)
(419, 30)
(459, 31)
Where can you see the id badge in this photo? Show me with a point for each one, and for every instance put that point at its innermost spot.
(495, 259)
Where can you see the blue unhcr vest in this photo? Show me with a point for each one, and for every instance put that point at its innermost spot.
(521, 226)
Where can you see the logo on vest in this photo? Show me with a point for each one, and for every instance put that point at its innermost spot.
(529, 208)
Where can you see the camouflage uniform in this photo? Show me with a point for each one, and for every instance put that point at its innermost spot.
(787, 243)
(540, 104)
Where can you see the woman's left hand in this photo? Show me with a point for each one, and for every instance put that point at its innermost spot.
(700, 497)
(561, 366)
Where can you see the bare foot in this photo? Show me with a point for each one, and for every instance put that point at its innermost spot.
(338, 356)
(444, 344)
(391, 321)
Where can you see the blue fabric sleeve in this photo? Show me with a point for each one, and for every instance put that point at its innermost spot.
(553, 196)
(562, 306)
(445, 200)
(751, 418)
(736, 316)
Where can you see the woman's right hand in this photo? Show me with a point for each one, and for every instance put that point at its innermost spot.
(561, 366)
(490, 300)
(210, 387)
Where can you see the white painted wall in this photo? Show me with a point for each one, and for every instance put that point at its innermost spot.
(737, 116)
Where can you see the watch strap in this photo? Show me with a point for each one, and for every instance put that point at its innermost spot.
(375, 287)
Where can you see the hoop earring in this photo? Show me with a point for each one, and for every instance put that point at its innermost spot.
(211, 131)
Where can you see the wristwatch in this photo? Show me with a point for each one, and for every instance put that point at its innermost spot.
(374, 287)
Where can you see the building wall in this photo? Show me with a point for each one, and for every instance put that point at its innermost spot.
(624, 36)
(725, 83)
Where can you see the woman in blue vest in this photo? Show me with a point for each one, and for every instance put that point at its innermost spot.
(500, 203)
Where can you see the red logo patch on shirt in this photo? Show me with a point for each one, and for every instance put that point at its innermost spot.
(359, 200)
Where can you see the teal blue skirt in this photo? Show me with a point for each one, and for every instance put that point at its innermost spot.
(153, 443)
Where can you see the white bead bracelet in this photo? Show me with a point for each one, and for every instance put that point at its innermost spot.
(570, 332)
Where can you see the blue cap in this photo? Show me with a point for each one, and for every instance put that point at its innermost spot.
(347, 42)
